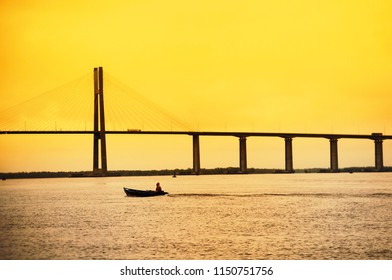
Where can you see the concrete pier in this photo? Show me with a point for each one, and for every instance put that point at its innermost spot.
(289, 154)
(99, 125)
(379, 163)
(96, 127)
(334, 154)
(102, 123)
(243, 160)
(196, 154)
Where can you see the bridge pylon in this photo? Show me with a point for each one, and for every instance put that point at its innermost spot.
(99, 125)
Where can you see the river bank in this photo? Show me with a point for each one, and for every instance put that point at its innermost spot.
(176, 172)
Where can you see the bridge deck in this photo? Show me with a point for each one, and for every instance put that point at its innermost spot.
(212, 133)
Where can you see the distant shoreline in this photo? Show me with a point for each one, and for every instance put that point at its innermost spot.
(177, 172)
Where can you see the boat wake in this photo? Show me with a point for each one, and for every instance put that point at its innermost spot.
(320, 195)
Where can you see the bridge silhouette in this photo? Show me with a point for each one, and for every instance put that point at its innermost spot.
(164, 118)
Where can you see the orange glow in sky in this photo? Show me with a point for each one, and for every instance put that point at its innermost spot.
(265, 66)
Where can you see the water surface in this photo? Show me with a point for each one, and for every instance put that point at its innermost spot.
(276, 216)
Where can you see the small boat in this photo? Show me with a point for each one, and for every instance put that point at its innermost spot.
(140, 193)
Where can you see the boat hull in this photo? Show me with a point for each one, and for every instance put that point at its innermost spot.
(140, 193)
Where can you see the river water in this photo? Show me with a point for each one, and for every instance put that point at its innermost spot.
(274, 216)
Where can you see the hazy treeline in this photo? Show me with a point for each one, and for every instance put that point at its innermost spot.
(178, 172)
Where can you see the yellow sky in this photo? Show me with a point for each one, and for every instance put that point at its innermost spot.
(289, 66)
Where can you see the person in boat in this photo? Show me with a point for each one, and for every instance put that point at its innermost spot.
(158, 188)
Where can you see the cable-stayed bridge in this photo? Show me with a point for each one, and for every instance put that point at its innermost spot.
(69, 110)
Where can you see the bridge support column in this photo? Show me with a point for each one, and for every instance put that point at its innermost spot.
(96, 131)
(99, 124)
(196, 154)
(378, 154)
(243, 160)
(289, 154)
(334, 154)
